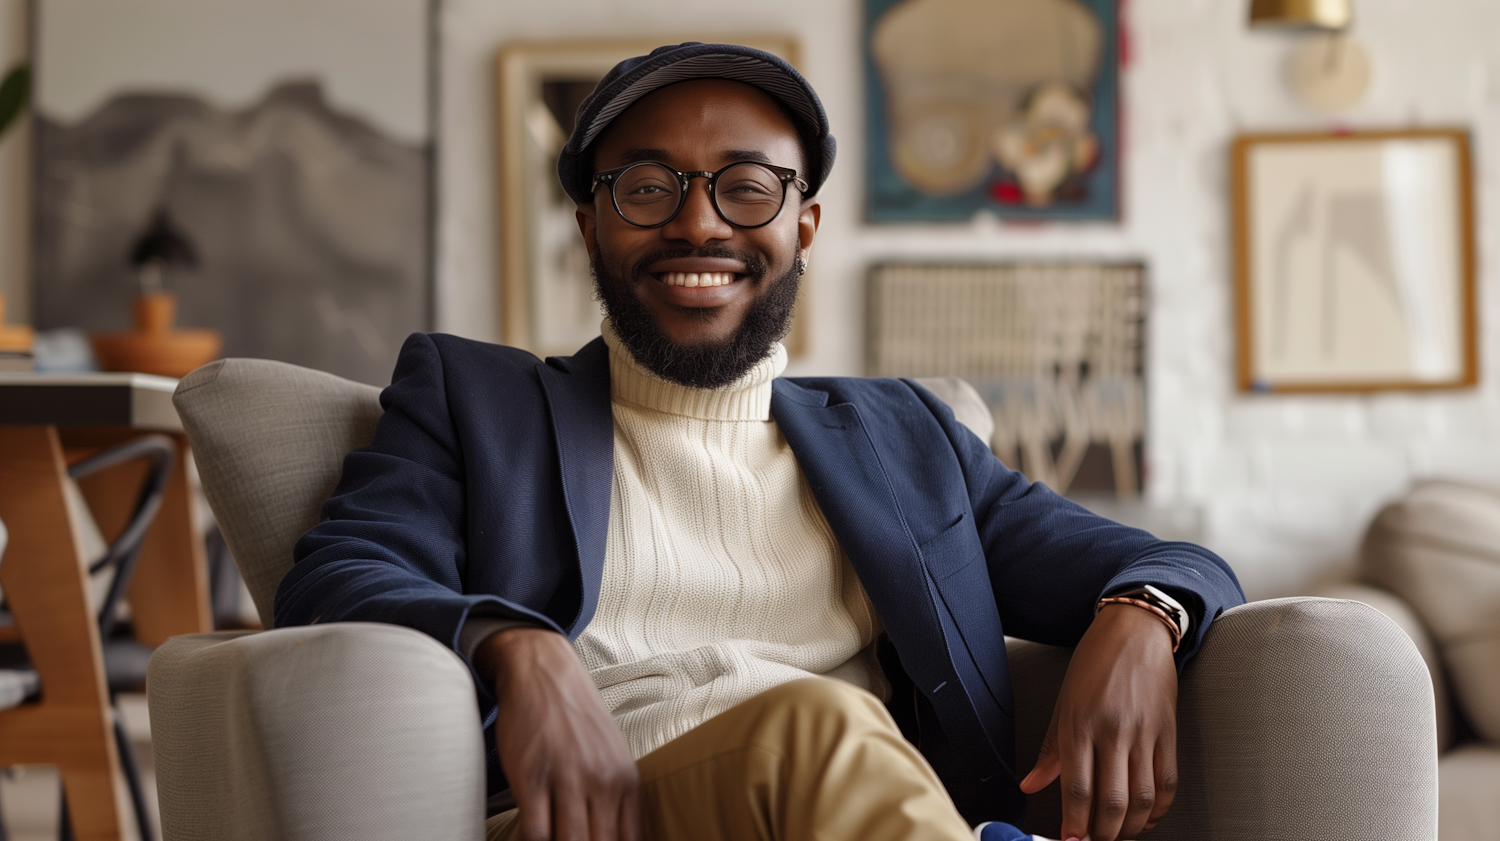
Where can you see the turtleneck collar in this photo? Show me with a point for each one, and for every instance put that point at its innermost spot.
(746, 399)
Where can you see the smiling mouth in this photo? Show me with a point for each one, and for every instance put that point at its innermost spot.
(697, 279)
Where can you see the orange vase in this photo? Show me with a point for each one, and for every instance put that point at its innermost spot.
(14, 338)
(154, 347)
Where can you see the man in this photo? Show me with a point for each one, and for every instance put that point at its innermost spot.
(704, 601)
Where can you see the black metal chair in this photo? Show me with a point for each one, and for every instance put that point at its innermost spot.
(124, 658)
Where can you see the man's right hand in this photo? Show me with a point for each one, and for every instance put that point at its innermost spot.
(568, 766)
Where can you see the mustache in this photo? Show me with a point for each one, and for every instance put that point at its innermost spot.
(755, 267)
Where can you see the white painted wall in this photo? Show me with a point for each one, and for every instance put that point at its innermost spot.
(1286, 484)
(227, 51)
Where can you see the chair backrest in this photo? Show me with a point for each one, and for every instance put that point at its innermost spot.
(968, 407)
(108, 567)
(269, 439)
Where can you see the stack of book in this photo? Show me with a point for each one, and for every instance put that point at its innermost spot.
(16, 362)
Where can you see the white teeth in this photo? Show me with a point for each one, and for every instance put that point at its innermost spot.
(692, 279)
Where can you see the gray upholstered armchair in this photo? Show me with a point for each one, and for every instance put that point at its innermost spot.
(1300, 718)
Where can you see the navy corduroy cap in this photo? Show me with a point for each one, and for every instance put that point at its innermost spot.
(632, 79)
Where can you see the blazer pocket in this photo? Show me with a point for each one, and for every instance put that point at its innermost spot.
(953, 549)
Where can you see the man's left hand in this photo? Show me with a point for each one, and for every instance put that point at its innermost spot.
(1113, 737)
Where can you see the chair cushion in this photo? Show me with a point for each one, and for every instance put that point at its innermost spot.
(1439, 549)
(269, 439)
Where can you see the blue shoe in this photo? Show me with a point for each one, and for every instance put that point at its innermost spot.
(997, 831)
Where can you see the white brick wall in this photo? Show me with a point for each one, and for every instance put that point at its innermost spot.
(1286, 484)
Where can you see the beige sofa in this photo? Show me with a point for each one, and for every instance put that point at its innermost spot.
(1431, 562)
(1299, 719)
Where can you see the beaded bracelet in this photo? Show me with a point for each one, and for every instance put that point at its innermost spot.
(1155, 611)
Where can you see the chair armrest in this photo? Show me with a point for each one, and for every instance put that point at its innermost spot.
(352, 731)
(1298, 719)
(1404, 615)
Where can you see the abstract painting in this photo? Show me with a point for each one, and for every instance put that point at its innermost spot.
(1055, 350)
(288, 141)
(1005, 106)
(1355, 261)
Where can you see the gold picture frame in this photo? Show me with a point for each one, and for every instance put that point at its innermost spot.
(545, 289)
(1354, 261)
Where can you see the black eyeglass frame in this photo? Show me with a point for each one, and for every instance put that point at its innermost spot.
(785, 175)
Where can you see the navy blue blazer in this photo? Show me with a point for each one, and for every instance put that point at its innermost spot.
(486, 492)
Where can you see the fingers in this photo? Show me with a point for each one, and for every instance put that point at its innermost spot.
(1111, 792)
(565, 813)
(1141, 791)
(630, 817)
(1132, 789)
(1166, 778)
(1047, 766)
(612, 810)
(1077, 786)
(535, 818)
(570, 817)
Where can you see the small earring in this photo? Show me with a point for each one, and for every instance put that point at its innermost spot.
(801, 266)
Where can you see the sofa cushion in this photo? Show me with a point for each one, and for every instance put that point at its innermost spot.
(1468, 809)
(1439, 549)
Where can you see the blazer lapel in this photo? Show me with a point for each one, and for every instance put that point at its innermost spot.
(577, 390)
(844, 471)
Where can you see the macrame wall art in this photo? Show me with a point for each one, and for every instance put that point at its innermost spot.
(1055, 349)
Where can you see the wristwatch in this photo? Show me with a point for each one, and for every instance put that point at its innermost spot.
(1171, 611)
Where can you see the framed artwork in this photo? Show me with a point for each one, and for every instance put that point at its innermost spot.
(1007, 107)
(1354, 261)
(1055, 350)
(288, 142)
(547, 293)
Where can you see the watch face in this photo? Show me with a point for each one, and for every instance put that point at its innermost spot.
(1166, 603)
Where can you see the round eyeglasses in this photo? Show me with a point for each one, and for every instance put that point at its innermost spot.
(746, 194)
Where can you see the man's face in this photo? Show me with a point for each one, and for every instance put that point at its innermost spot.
(701, 125)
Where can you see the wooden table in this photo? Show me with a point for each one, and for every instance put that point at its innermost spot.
(47, 423)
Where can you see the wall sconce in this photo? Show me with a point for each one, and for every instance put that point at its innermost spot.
(1329, 15)
(1330, 71)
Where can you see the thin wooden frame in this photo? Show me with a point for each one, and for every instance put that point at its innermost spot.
(520, 69)
(1247, 274)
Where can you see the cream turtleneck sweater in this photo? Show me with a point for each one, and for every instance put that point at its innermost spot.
(721, 576)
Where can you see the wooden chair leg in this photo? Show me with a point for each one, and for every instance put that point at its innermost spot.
(94, 808)
(71, 727)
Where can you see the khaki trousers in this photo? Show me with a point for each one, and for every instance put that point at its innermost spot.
(812, 759)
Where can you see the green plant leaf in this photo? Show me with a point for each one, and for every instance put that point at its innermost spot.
(13, 95)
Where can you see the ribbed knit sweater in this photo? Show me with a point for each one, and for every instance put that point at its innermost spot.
(722, 579)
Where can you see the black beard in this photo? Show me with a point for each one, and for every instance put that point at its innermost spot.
(711, 365)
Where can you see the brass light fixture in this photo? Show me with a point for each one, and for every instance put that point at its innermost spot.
(1330, 15)
(1329, 70)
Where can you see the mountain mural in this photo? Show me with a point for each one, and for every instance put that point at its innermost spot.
(311, 226)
